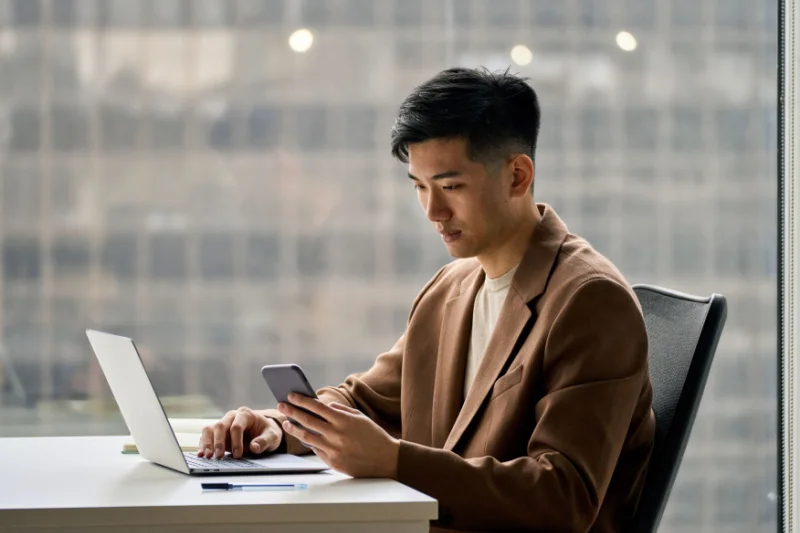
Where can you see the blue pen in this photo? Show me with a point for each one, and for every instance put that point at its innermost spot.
(254, 486)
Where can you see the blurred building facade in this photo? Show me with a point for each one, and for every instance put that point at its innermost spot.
(172, 170)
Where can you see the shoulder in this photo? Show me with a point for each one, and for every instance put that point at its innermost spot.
(593, 322)
(583, 275)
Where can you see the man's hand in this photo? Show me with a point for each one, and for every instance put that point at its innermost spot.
(237, 429)
(348, 441)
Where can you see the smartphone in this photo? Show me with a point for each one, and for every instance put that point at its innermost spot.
(285, 379)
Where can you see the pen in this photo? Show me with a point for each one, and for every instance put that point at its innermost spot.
(254, 486)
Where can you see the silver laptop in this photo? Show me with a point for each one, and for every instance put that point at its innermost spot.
(150, 428)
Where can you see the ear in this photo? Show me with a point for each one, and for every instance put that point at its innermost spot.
(522, 171)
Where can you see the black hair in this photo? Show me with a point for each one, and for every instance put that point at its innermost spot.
(497, 113)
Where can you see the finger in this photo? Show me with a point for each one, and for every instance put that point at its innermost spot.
(313, 405)
(221, 433)
(241, 422)
(342, 407)
(304, 436)
(310, 421)
(322, 454)
(269, 440)
(206, 442)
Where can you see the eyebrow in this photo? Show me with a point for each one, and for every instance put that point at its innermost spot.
(439, 176)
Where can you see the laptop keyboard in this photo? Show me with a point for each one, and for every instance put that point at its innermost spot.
(226, 462)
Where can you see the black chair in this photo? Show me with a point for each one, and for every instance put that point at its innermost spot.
(683, 332)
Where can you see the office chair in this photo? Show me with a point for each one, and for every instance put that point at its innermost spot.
(682, 332)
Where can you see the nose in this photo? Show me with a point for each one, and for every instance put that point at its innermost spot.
(436, 208)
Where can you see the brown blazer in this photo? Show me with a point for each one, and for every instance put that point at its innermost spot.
(556, 431)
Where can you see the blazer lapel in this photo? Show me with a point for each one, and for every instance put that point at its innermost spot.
(529, 282)
(452, 358)
(512, 320)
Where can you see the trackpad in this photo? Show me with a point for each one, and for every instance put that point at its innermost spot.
(284, 461)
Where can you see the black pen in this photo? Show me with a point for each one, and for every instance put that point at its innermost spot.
(254, 486)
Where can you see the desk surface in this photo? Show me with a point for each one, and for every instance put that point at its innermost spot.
(86, 481)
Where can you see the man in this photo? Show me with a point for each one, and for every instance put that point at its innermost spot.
(519, 395)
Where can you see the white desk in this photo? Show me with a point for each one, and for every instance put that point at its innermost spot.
(72, 484)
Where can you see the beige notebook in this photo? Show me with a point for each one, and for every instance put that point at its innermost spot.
(187, 431)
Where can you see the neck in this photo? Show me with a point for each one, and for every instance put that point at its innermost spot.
(508, 253)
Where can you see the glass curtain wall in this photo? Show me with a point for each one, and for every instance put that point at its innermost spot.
(212, 178)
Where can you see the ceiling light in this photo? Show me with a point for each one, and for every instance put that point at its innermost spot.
(626, 41)
(301, 40)
(521, 55)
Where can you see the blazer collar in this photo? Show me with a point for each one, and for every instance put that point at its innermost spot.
(451, 418)
(531, 277)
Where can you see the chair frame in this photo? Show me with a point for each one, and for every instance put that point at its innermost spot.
(662, 472)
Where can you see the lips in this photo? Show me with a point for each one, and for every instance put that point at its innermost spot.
(449, 236)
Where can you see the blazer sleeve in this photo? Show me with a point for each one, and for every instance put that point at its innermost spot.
(595, 370)
(376, 392)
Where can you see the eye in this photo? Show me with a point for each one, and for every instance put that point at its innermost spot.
(450, 187)
(418, 187)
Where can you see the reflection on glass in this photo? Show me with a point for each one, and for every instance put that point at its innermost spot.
(174, 171)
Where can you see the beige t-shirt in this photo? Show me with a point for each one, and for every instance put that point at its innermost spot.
(488, 303)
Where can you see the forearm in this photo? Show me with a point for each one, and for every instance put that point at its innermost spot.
(545, 493)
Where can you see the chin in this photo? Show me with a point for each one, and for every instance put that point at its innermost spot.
(460, 252)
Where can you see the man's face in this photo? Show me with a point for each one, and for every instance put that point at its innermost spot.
(464, 201)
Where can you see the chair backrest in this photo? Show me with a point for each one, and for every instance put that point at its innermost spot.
(682, 332)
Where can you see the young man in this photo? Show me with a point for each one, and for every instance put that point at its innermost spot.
(519, 395)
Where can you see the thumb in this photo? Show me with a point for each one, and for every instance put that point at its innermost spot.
(345, 408)
(266, 442)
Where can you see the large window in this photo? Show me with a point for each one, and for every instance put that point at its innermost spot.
(175, 171)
